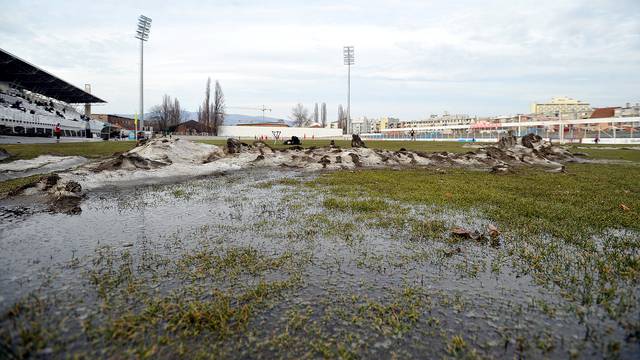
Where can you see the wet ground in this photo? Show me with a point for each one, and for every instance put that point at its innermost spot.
(256, 264)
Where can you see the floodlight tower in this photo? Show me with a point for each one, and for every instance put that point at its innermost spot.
(142, 34)
(349, 59)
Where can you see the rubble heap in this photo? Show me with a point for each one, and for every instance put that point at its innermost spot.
(163, 158)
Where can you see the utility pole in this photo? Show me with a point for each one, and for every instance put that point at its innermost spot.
(349, 59)
(144, 26)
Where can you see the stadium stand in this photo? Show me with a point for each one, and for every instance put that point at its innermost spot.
(33, 102)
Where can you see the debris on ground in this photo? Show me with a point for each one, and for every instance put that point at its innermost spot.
(490, 235)
(4, 154)
(164, 158)
(235, 146)
(461, 232)
(357, 142)
(492, 230)
(293, 141)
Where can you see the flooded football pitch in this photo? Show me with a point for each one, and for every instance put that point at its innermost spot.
(266, 263)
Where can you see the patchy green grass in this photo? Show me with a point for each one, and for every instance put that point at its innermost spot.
(106, 148)
(566, 230)
(609, 152)
(587, 199)
(367, 205)
(86, 149)
(11, 185)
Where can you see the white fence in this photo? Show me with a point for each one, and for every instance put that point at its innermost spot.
(256, 132)
(624, 130)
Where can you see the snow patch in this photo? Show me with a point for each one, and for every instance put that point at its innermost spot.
(41, 165)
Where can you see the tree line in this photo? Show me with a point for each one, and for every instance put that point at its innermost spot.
(167, 115)
(301, 118)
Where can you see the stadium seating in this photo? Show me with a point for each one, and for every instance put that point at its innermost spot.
(23, 113)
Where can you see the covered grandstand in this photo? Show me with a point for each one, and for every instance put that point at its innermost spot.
(33, 102)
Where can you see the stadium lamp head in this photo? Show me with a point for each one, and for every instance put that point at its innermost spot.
(349, 55)
(144, 26)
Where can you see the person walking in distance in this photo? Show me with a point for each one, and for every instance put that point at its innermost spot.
(57, 131)
(413, 135)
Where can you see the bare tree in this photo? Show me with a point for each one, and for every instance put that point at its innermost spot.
(342, 119)
(217, 109)
(315, 114)
(175, 117)
(167, 114)
(323, 115)
(300, 116)
(204, 111)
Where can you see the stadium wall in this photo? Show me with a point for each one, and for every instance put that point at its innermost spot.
(285, 132)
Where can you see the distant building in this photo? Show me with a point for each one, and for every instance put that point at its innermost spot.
(628, 111)
(122, 121)
(562, 105)
(360, 125)
(602, 113)
(385, 122)
(190, 127)
(445, 119)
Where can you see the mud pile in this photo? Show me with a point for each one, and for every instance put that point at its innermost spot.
(172, 160)
(509, 152)
(4, 154)
(161, 152)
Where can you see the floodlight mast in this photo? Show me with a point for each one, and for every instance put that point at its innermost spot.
(349, 59)
(142, 34)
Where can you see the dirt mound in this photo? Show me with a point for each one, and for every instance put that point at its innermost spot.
(159, 153)
(162, 159)
(357, 142)
(4, 154)
(508, 152)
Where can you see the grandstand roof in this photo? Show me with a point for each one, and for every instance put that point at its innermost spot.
(29, 77)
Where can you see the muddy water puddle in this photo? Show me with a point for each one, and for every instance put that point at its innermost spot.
(253, 264)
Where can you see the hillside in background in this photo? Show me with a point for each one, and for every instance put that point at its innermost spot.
(230, 119)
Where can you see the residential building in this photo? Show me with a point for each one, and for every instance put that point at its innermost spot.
(385, 122)
(361, 125)
(562, 105)
(439, 120)
(190, 127)
(122, 121)
(628, 111)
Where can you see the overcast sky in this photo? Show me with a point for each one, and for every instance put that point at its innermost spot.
(413, 58)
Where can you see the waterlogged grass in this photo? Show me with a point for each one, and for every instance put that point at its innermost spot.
(367, 205)
(357, 265)
(578, 231)
(585, 200)
(285, 181)
(138, 314)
